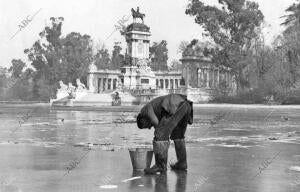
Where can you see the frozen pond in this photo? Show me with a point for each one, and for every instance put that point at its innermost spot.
(229, 149)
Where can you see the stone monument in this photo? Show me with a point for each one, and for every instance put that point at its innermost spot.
(138, 74)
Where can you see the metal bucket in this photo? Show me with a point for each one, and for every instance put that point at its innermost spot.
(141, 158)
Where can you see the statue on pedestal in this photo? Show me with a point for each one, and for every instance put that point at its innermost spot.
(136, 14)
(80, 86)
(63, 87)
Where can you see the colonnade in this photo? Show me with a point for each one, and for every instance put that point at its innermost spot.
(167, 83)
(212, 77)
(107, 84)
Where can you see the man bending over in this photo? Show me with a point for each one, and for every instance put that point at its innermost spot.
(169, 115)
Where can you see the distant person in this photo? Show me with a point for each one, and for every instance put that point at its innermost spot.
(117, 99)
(169, 115)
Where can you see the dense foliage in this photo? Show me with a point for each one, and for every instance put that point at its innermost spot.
(159, 56)
(232, 27)
(55, 57)
(262, 72)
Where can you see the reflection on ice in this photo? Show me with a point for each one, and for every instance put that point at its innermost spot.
(229, 145)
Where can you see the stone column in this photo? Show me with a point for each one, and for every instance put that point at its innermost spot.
(218, 77)
(226, 77)
(108, 80)
(112, 84)
(199, 77)
(174, 86)
(108, 87)
(212, 77)
(201, 83)
(91, 83)
(106, 83)
(207, 77)
(215, 77)
(202, 77)
(187, 80)
(103, 84)
(99, 85)
(229, 79)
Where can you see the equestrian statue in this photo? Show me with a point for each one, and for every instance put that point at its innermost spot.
(136, 14)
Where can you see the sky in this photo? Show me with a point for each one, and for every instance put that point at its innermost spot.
(166, 18)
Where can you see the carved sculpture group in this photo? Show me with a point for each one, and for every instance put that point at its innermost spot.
(71, 89)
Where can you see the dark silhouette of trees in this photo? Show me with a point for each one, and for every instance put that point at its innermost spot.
(159, 56)
(232, 27)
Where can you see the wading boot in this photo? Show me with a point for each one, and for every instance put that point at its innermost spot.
(160, 149)
(180, 149)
